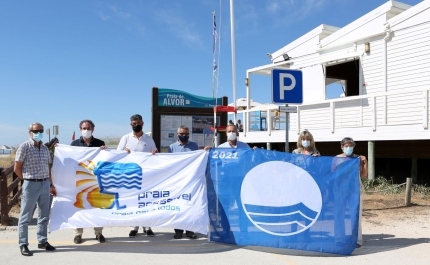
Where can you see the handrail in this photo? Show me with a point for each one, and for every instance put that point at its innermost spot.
(6, 204)
(327, 101)
(372, 104)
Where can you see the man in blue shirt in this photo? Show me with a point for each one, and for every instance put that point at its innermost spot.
(183, 145)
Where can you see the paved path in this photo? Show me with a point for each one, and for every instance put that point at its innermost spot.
(381, 249)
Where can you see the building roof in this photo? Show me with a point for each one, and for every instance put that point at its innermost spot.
(6, 147)
(370, 25)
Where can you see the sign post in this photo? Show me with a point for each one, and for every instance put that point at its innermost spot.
(55, 130)
(287, 87)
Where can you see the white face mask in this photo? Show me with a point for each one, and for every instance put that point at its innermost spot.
(231, 136)
(306, 143)
(86, 134)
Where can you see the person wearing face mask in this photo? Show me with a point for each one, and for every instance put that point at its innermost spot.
(32, 165)
(306, 144)
(137, 141)
(183, 145)
(347, 145)
(232, 141)
(88, 140)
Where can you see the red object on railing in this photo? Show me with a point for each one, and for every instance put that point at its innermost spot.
(219, 128)
(224, 109)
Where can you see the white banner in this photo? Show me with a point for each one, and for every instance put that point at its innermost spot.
(101, 188)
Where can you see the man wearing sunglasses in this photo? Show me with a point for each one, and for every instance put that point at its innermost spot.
(88, 140)
(183, 145)
(32, 165)
(137, 141)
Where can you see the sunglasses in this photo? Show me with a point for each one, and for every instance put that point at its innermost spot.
(37, 131)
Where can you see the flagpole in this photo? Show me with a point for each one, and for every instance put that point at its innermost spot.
(213, 52)
(233, 55)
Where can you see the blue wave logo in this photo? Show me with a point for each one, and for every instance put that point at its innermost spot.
(285, 202)
(114, 178)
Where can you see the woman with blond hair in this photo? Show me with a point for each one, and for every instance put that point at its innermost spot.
(306, 144)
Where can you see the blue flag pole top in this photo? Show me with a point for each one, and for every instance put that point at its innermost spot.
(276, 199)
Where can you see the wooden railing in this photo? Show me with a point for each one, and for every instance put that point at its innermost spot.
(5, 190)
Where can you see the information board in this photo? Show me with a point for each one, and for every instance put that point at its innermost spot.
(200, 131)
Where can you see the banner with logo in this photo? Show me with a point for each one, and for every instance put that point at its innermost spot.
(101, 188)
(275, 199)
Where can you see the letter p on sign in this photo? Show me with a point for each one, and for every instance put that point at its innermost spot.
(283, 87)
(287, 86)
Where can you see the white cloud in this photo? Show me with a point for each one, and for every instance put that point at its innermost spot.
(288, 10)
(117, 15)
(102, 16)
(183, 29)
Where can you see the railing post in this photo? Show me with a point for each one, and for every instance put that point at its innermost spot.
(15, 190)
(408, 191)
(332, 117)
(3, 198)
(373, 107)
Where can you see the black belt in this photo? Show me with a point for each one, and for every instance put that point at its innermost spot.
(36, 180)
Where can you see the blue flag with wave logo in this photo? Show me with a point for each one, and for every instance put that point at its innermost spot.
(283, 200)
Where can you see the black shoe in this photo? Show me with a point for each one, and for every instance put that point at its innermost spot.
(77, 239)
(25, 251)
(46, 246)
(178, 235)
(191, 235)
(150, 233)
(100, 238)
(132, 233)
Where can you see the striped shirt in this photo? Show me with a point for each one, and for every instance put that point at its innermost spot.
(35, 161)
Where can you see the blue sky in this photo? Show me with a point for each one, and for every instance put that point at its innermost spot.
(65, 61)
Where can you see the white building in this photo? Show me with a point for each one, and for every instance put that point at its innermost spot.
(386, 87)
(383, 61)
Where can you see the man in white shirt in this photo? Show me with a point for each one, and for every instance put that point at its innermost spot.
(232, 141)
(137, 141)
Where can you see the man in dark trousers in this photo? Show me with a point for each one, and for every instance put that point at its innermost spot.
(183, 145)
(88, 140)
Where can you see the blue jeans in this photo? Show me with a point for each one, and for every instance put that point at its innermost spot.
(34, 193)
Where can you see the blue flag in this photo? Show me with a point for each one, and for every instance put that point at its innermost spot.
(275, 199)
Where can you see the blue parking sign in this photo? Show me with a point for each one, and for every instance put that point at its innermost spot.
(287, 86)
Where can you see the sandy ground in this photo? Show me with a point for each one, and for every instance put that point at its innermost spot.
(386, 216)
(393, 234)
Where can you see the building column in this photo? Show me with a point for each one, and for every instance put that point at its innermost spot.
(371, 159)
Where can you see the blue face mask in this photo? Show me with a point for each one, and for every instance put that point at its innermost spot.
(306, 143)
(37, 136)
(348, 150)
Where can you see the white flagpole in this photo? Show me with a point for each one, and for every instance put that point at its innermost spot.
(233, 55)
(213, 52)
